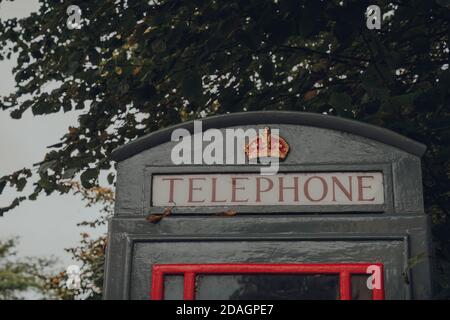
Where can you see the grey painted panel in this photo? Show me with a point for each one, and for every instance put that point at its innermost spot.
(389, 252)
(312, 229)
(310, 148)
(408, 184)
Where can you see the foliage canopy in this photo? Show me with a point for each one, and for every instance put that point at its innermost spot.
(21, 276)
(137, 66)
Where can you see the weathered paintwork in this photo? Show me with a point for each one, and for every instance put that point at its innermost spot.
(394, 233)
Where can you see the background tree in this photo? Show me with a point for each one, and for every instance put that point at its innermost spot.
(89, 255)
(19, 277)
(137, 66)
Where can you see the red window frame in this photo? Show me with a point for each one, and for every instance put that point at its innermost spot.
(190, 271)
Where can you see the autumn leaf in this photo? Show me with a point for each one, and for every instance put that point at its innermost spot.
(136, 71)
(73, 131)
(157, 217)
(154, 218)
(228, 213)
(309, 95)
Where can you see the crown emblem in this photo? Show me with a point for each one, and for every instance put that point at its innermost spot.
(267, 145)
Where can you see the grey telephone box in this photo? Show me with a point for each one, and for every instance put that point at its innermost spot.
(341, 218)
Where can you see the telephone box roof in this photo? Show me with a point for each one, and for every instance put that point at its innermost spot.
(382, 135)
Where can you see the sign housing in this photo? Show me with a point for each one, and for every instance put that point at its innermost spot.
(319, 189)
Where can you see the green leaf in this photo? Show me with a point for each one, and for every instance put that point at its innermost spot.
(403, 100)
(158, 46)
(47, 165)
(69, 173)
(14, 204)
(192, 85)
(110, 178)
(88, 178)
(267, 71)
(21, 183)
(340, 100)
(2, 185)
(444, 3)
(16, 114)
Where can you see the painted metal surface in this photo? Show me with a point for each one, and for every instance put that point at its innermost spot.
(190, 271)
(284, 117)
(391, 233)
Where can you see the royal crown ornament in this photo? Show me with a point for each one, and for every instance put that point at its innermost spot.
(267, 145)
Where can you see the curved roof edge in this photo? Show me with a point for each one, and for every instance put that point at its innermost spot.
(274, 117)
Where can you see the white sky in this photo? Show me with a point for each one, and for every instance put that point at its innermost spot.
(48, 225)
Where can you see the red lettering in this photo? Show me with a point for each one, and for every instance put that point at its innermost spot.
(282, 188)
(324, 189)
(192, 189)
(214, 191)
(172, 186)
(258, 187)
(361, 188)
(348, 193)
(235, 188)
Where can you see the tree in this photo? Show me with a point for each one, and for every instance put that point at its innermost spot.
(20, 276)
(90, 253)
(137, 66)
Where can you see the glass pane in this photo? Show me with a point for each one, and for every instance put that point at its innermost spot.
(267, 286)
(360, 291)
(173, 287)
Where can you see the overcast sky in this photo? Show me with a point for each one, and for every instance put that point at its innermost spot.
(48, 225)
